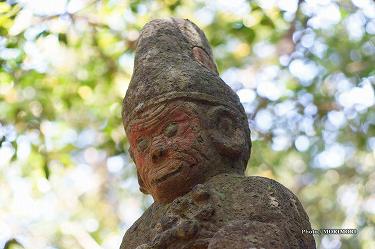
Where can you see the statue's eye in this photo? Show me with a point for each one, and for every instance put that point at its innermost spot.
(142, 144)
(171, 130)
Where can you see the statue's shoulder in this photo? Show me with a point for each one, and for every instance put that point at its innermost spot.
(248, 185)
(140, 230)
(235, 181)
(224, 206)
(258, 197)
(256, 203)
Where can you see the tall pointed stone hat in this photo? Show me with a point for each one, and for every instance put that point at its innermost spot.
(173, 60)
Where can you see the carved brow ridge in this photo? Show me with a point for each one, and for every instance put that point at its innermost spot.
(152, 117)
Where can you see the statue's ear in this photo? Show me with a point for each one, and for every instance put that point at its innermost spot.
(226, 131)
(140, 181)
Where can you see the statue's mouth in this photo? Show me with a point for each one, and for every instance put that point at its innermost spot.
(167, 175)
(172, 168)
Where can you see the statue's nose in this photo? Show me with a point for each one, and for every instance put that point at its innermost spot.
(158, 153)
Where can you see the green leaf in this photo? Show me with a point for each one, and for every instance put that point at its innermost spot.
(63, 38)
(43, 34)
(46, 170)
(267, 21)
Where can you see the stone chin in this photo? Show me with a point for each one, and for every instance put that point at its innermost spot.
(174, 179)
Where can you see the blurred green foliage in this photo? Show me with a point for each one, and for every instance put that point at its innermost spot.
(303, 70)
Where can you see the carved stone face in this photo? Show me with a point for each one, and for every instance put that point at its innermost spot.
(178, 144)
(168, 146)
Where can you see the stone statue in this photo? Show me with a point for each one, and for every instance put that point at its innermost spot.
(190, 140)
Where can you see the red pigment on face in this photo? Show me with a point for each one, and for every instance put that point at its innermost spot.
(162, 146)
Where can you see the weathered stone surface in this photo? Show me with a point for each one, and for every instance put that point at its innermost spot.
(173, 60)
(248, 234)
(175, 146)
(228, 211)
(183, 122)
(190, 140)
